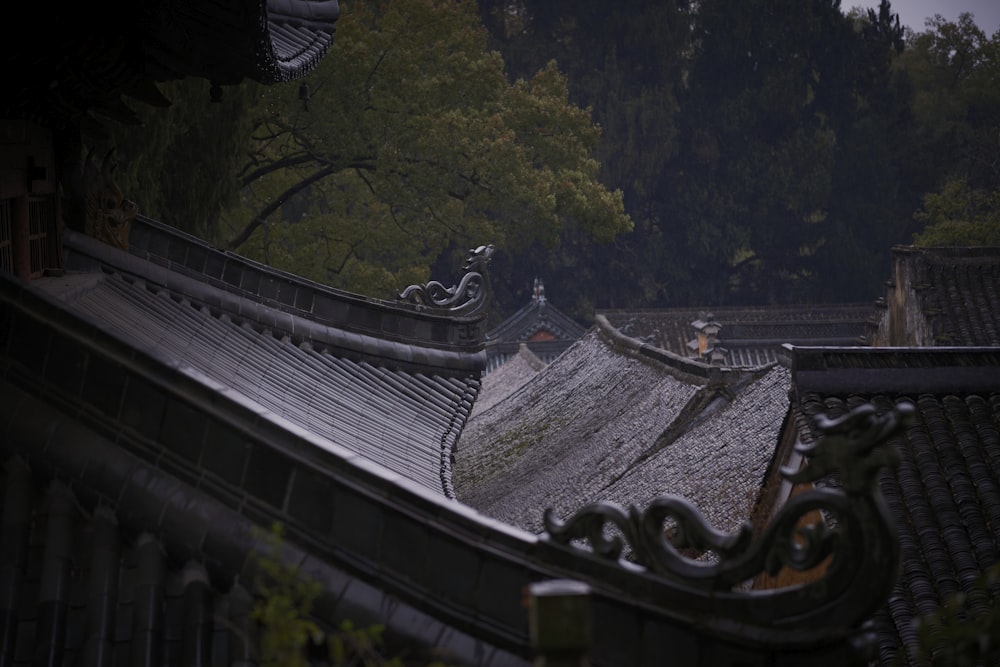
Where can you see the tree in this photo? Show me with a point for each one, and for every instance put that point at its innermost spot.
(875, 187)
(955, 68)
(626, 62)
(761, 116)
(179, 163)
(960, 216)
(413, 144)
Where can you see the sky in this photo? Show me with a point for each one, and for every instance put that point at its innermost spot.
(985, 13)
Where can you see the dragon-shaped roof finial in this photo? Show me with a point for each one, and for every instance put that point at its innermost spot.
(469, 297)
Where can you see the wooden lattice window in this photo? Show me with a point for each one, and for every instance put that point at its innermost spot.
(41, 224)
(6, 245)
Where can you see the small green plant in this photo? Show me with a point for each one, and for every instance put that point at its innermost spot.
(283, 608)
(957, 636)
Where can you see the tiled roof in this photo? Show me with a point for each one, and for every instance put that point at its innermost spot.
(400, 420)
(128, 418)
(296, 368)
(718, 460)
(538, 315)
(943, 296)
(510, 376)
(601, 423)
(568, 434)
(945, 494)
(299, 33)
(751, 336)
(169, 453)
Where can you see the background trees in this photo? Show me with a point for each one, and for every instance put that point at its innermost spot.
(956, 72)
(179, 162)
(640, 154)
(414, 145)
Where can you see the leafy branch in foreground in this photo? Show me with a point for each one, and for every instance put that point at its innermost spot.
(289, 635)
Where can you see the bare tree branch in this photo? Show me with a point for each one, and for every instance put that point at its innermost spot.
(288, 161)
(278, 202)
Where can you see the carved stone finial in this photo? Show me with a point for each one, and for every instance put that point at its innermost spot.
(469, 297)
(539, 291)
(861, 544)
(850, 444)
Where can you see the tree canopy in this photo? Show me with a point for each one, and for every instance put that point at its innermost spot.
(412, 143)
(179, 163)
(958, 215)
(762, 147)
(956, 70)
(641, 154)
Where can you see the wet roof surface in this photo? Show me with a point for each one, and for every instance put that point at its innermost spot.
(958, 291)
(399, 420)
(598, 424)
(944, 496)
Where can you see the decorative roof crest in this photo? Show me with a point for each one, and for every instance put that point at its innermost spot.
(469, 297)
(861, 542)
(538, 295)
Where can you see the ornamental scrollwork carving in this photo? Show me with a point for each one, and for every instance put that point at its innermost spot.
(469, 297)
(859, 541)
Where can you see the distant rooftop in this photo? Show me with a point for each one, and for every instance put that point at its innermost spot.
(547, 331)
(942, 296)
(747, 336)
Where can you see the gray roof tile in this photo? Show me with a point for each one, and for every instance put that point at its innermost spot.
(943, 296)
(944, 496)
(720, 463)
(752, 335)
(510, 376)
(404, 421)
(588, 427)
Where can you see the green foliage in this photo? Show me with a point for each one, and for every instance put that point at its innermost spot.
(750, 151)
(284, 606)
(966, 630)
(765, 121)
(179, 164)
(955, 69)
(415, 143)
(960, 216)
(625, 62)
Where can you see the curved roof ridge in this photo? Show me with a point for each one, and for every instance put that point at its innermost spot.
(685, 368)
(384, 332)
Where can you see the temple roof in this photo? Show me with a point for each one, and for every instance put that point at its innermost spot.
(172, 401)
(604, 422)
(944, 496)
(375, 382)
(751, 336)
(547, 331)
(942, 296)
(168, 442)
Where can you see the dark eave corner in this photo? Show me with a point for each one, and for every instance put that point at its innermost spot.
(93, 59)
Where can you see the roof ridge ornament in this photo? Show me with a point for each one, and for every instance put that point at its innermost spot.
(538, 293)
(861, 544)
(469, 297)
